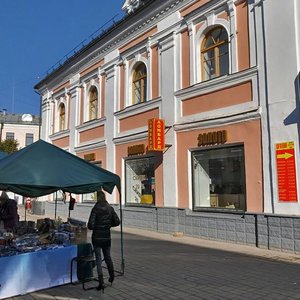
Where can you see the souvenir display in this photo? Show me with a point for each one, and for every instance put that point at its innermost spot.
(45, 234)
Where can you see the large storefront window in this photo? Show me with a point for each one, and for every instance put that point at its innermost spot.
(219, 178)
(140, 181)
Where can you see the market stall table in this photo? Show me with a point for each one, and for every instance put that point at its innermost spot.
(32, 271)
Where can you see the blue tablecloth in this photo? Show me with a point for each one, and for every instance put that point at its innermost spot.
(28, 272)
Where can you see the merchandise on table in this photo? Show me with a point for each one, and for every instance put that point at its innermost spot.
(47, 234)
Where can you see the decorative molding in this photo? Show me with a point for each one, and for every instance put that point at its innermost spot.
(91, 124)
(131, 5)
(113, 43)
(167, 42)
(243, 116)
(223, 113)
(75, 79)
(60, 135)
(131, 136)
(60, 93)
(90, 146)
(217, 83)
(139, 108)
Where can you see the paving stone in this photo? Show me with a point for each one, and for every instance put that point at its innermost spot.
(160, 266)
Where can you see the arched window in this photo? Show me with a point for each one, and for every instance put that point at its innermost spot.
(62, 117)
(139, 84)
(93, 103)
(215, 54)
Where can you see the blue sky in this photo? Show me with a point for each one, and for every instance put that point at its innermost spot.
(35, 35)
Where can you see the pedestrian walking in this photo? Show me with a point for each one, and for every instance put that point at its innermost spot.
(28, 205)
(102, 218)
(9, 217)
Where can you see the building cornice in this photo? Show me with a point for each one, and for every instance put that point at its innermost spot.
(106, 43)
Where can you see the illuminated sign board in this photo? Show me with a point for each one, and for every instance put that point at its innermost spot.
(156, 135)
(286, 172)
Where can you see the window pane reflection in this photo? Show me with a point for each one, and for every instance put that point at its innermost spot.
(219, 178)
(140, 181)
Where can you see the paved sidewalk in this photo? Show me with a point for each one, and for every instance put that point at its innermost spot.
(160, 266)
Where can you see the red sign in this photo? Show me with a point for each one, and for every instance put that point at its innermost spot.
(156, 135)
(286, 172)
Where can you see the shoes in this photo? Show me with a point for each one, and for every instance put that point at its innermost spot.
(111, 279)
(100, 287)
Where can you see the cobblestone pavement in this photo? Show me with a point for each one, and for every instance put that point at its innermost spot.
(160, 266)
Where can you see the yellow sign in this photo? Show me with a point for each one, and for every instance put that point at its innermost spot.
(211, 138)
(156, 135)
(286, 172)
(89, 157)
(285, 155)
(136, 150)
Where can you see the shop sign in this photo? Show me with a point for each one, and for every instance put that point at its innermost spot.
(212, 138)
(136, 150)
(156, 135)
(89, 157)
(286, 172)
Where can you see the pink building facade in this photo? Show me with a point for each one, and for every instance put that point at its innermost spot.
(205, 68)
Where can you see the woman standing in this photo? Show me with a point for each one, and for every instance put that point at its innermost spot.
(101, 219)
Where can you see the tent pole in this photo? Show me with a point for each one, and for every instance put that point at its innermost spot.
(55, 205)
(121, 226)
(24, 203)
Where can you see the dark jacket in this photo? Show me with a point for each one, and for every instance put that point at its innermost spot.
(101, 219)
(9, 214)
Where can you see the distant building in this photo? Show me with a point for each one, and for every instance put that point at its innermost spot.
(223, 76)
(21, 127)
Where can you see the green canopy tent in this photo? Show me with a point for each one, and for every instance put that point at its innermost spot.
(42, 168)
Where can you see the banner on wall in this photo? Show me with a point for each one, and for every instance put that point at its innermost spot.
(286, 172)
(156, 135)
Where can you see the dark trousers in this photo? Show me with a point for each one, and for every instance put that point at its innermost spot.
(107, 259)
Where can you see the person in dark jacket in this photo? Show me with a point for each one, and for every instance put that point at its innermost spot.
(101, 219)
(9, 217)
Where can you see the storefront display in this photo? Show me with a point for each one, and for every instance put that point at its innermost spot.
(140, 181)
(219, 178)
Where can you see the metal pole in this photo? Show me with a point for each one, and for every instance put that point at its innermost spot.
(55, 205)
(121, 226)
(24, 203)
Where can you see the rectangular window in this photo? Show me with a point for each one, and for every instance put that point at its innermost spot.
(140, 181)
(91, 197)
(10, 136)
(219, 178)
(29, 139)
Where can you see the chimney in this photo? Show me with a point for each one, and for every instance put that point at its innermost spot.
(4, 110)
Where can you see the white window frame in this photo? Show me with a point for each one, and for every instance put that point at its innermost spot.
(198, 40)
(129, 96)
